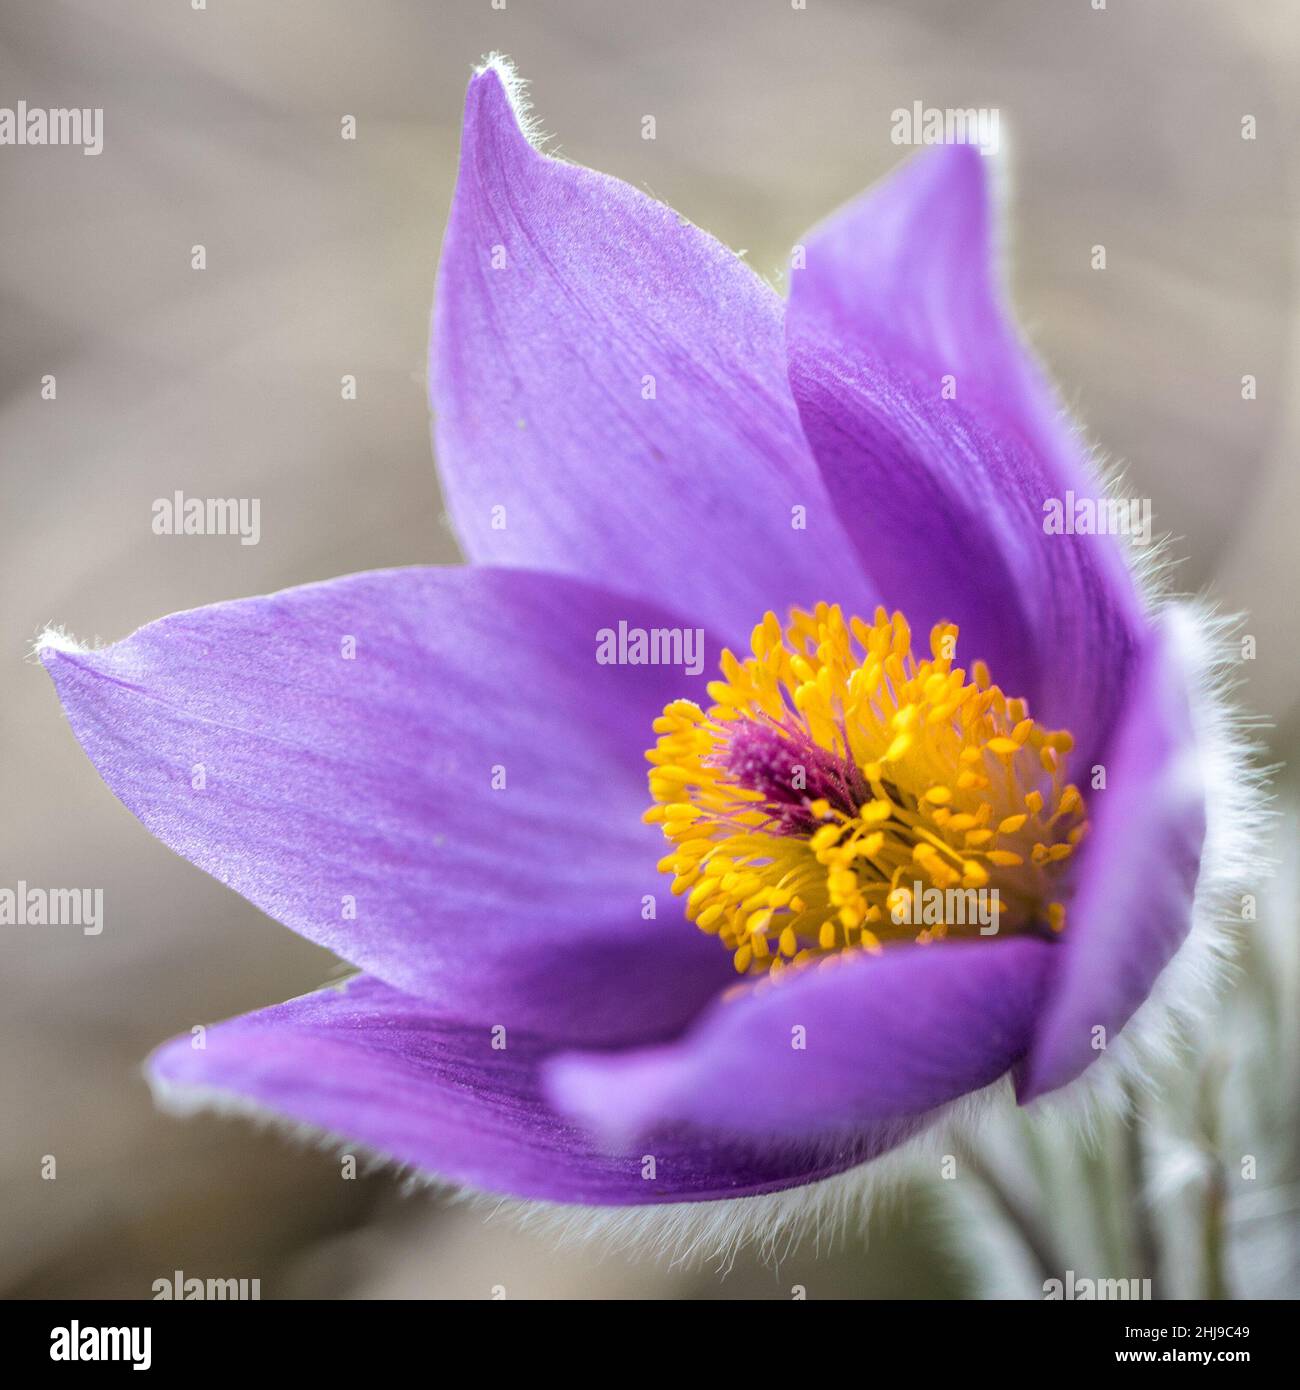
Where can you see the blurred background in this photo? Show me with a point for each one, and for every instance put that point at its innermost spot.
(1120, 126)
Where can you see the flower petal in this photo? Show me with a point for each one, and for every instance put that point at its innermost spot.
(909, 268)
(861, 1048)
(373, 1067)
(945, 496)
(564, 298)
(1133, 904)
(426, 771)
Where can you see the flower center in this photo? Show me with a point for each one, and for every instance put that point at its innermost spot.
(841, 794)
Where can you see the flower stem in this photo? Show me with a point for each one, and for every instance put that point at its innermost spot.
(1144, 1228)
(1215, 1277)
(1032, 1233)
(1216, 1284)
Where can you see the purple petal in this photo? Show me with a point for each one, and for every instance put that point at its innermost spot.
(373, 1067)
(352, 798)
(884, 1041)
(539, 370)
(1132, 907)
(909, 269)
(944, 498)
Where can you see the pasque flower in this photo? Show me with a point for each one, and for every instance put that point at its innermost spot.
(931, 816)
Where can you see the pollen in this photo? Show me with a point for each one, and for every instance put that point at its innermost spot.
(841, 794)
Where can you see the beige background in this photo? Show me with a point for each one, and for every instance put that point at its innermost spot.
(222, 127)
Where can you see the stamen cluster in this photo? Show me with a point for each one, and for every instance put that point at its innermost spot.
(836, 776)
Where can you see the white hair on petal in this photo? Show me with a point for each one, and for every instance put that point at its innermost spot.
(686, 1233)
(1236, 781)
(56, 638)
(775, 1224)
(1238, 813)
(184, 1101)
(516, 89)
(681, 1232)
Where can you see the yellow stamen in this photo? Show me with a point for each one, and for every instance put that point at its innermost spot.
(838, 780)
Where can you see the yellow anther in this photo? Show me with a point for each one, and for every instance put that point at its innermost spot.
(898, 747)
(825, 837)
(974, 874)
(1070, 801)
(1004, 858)
(757, 921)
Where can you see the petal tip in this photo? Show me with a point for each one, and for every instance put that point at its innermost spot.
(54, 643)
(953, 176)
(602, 1094)
(1029, 1082)
(160, 1072)
(71, 664)
(498, 95)
(173, 1073)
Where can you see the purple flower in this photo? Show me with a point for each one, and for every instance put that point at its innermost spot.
(440, 774)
